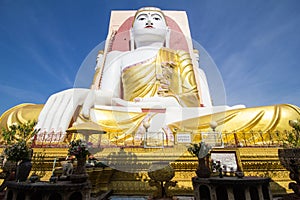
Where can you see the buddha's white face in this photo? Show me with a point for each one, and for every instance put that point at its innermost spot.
(149, 27)
(149, 20)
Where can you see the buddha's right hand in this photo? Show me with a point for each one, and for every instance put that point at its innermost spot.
(59, 109)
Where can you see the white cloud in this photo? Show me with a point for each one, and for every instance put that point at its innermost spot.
(22, 94)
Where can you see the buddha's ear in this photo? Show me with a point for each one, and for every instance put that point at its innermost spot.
(167, 41)
(131, 47)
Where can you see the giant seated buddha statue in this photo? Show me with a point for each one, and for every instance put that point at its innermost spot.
(148, 80)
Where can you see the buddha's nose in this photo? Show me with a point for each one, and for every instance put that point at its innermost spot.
(149, 23)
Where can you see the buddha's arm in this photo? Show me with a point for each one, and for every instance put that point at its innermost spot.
(109, 85)
(110, 80)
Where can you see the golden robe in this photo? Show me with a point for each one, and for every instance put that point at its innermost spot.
(170, 73)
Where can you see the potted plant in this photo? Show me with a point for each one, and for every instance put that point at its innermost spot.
(289, 156)
(79, 149)
(201, 151)
(18, 141)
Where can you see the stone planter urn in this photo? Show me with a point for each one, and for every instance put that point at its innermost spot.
(79, 149)
(24, 167)
(161, 174)
(79, 175)
(203, 170)
(23, 170)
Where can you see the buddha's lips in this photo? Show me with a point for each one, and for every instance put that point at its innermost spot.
(148, 26)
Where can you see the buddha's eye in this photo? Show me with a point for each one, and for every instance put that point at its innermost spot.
(142, 18)
(156, 18)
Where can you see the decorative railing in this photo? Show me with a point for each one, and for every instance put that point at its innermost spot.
(230, 139)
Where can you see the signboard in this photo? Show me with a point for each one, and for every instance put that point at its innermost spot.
(154, 140)
(184, 138)
(214, 139)
(228, 160)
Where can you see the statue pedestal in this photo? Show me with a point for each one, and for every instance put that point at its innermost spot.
(232, 188)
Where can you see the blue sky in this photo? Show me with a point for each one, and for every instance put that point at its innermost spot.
(255, 45)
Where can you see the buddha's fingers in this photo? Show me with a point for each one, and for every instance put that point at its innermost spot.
(59, 109)
(68, 109)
